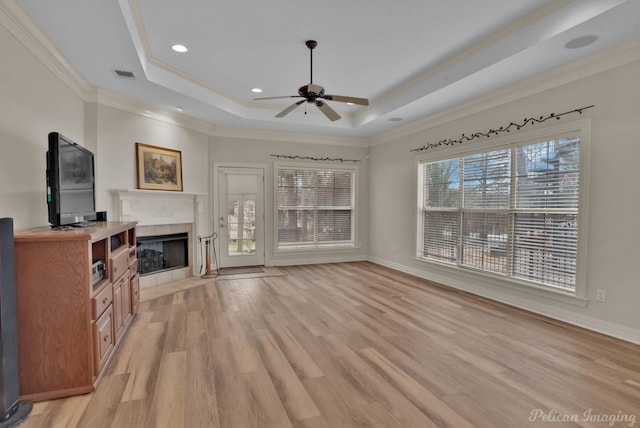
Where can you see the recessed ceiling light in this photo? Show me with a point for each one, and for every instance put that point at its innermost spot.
(256, 90)
(350, 104)
(394, 119)
(179, 108)
(179, 48)
(580, 42)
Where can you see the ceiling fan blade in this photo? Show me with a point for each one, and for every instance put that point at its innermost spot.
(275, 98)
(343, 99)
(289, 109)
(328, 111)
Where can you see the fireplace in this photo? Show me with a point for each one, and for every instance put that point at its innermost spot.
(164, 213)
(172, 249)
(161, 253)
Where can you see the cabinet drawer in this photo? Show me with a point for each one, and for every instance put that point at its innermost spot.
(102, 301)
(123, 281)
(119, 264)
(104, 340)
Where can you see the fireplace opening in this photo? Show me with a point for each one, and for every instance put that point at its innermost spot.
(162, 252)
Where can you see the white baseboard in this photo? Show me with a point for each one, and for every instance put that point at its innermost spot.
(594, 324)
(315, 259)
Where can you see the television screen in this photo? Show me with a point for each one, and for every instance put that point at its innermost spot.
(70, 182)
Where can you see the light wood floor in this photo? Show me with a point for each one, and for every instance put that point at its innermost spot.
(350, 345)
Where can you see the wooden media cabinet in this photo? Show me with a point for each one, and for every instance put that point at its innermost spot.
(69, 323)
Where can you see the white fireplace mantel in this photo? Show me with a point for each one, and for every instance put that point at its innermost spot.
(156, 207)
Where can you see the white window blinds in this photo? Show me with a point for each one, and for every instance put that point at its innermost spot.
(545, 220)
(512, 212)
(315, 207)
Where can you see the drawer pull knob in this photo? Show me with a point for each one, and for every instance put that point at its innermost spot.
(105, 300)
(106, 337)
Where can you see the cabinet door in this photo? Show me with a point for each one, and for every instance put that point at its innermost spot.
(126, 299)
(103, 337)
(135, 293)
(122, 302)
(117, 308)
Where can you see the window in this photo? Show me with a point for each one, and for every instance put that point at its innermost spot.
(315, 207)
(510, 211)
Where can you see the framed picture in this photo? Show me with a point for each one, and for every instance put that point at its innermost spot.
(158, 168)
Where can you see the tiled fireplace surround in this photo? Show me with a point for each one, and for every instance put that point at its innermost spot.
(163, 213)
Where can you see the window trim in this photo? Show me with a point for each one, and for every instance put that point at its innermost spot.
(581, 128)
(317, 248)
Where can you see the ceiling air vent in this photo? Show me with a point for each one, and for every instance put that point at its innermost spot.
(124, 74)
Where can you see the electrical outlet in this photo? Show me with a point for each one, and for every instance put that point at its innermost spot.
(601, 296)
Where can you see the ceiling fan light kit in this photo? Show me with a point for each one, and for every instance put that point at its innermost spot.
(314, 94)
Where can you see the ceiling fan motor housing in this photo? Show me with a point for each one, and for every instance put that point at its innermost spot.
(311, 91)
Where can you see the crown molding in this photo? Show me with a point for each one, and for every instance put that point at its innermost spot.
(151, 111)
(579, 69)
(14, 18)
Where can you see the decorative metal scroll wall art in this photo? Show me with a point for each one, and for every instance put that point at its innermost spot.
(310, 158)
(502, 129)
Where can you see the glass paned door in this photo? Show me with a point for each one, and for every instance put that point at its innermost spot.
(241, 223)
(240, 216)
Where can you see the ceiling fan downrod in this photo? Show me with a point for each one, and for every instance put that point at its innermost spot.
(311, 44)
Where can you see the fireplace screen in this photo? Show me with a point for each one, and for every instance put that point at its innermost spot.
(162, 252)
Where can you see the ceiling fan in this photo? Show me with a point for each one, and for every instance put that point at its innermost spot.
(315, 94)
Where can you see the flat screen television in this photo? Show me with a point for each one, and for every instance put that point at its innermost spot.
(70, 183)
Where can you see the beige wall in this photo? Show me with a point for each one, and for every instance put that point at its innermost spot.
(118, 132)
(33, 102)
(612, 261)
(224, 150)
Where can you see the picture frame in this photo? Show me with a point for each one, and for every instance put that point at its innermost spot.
(158, 168)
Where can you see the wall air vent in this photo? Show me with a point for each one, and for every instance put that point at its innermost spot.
(124, 74)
